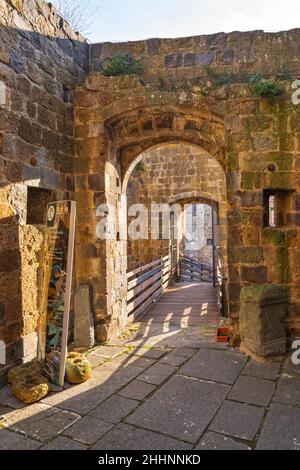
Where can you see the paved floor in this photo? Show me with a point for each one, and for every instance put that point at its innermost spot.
(170, 387)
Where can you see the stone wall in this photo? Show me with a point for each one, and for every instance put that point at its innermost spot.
(193, 91)
(41, 62)
(167, 174)
(200, 91)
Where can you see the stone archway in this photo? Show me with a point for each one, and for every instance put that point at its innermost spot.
(119, 118)
(161, 175)
(118, 133)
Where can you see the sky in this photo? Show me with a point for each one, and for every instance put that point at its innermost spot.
(125, 20)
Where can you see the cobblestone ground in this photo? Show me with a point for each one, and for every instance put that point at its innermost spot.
(169, 388)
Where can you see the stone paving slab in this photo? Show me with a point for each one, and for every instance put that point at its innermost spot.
(185, 352)
(114, 409)
(214, 365)
(85, 397)
(207, 395)
(108, 352)
(31, 413)
(96, 360)
(142, 362)
(128, 437)
(157, 373)
(64, 443)
(214, 441)
(83, 401)
(7, 399)
(45, 428)
(149, 353)
(281, 430)
(288, 391)
(173, 359)
(178, 408)
(4, 410)
(137, 390)
(88, 429)
(252, 390)
(268, 371)
(290, 368)
(10, 440)
(238, 420)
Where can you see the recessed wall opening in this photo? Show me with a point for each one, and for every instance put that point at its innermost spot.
(37, 200)
(277, 205)
(191, 254)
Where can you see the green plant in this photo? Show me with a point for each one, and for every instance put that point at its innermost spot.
(268, 89)
(140, 166)
(255, 78)
(122, 64)
(220, 78)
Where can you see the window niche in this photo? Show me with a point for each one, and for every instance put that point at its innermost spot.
(37, 201)
(277, 206)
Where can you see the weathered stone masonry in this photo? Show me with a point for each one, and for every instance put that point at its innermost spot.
(196, 91)
(192, 91)
(41, 61)
(175, 174)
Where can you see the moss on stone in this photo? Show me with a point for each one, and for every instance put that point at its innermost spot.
(283, 264)
(237, 216)
(278, 237)
(232, 161)
(247, 180)
(30, 388)
(78, 368)
(253, 254)
(263, 292)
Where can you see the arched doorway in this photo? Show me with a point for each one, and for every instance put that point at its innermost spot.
(174, 177)
(121, 133)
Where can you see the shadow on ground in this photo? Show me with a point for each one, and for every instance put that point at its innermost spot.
(170, 386)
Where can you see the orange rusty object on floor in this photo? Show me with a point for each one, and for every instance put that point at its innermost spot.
(223, 335)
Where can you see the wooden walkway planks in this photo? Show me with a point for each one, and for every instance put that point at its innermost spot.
(186, 304)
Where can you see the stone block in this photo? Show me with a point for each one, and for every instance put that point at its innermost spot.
(137, 390)
(262, 319)
(214, 441)
(115, 409)
(288, 391)
(88, 429)
(168, 410)
(10, 440)
(173, 60)
(157, 374)
(29, 345)
(255, 274)
(281, 429)
(263, 370)
(131, 438)
(238, 420)
(252, 390)
(215, 366)
(63, 443)
(204, 58)
(84, 332)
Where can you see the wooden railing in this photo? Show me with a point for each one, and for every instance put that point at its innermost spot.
(145, 285)
(191, 270)
(221, 282)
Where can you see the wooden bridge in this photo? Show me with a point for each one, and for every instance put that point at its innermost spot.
(154, 294)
